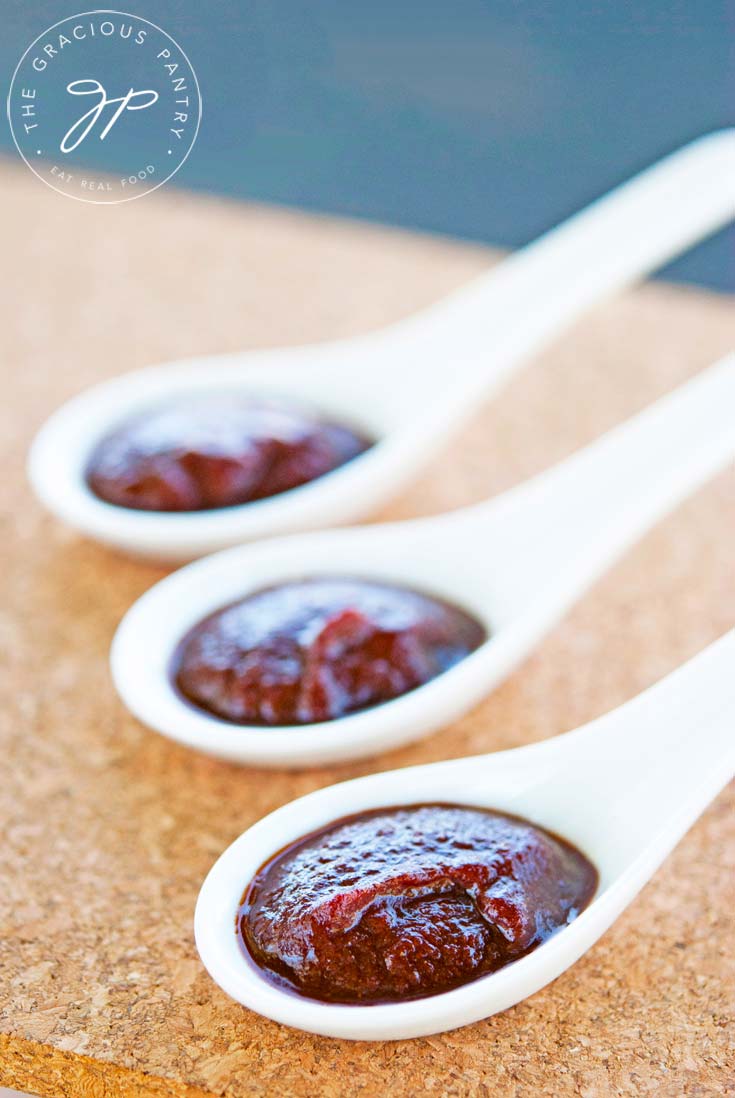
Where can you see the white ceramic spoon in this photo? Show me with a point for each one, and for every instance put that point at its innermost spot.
(516, 563)
(407, 385)
(623, 789)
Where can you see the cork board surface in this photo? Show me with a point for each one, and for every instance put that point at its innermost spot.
(108, 829)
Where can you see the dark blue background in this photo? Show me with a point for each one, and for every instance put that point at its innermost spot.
(481, 118)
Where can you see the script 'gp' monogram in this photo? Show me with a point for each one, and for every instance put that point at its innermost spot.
(131, 101)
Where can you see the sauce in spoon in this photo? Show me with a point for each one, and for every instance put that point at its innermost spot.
(403, 903)
(317, 649)
(205, 451)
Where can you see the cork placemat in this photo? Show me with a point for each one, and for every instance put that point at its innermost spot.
(108, 830)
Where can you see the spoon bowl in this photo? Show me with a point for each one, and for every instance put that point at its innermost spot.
(516, 563)
(407, 386)
(623, 790)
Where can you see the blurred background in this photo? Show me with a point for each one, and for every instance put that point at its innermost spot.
(477, 118)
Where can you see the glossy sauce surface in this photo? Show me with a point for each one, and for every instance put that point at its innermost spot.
(402, 903)
(316, 649)
(207, 451)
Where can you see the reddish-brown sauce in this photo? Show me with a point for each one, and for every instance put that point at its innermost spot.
(216, 451)
(401, 903)
(316, 649)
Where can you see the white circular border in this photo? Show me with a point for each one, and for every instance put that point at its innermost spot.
(127, 15)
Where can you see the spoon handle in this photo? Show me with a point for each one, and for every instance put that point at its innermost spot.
(505, 315)
(691, 711)
(556, 533)
(663, 756)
